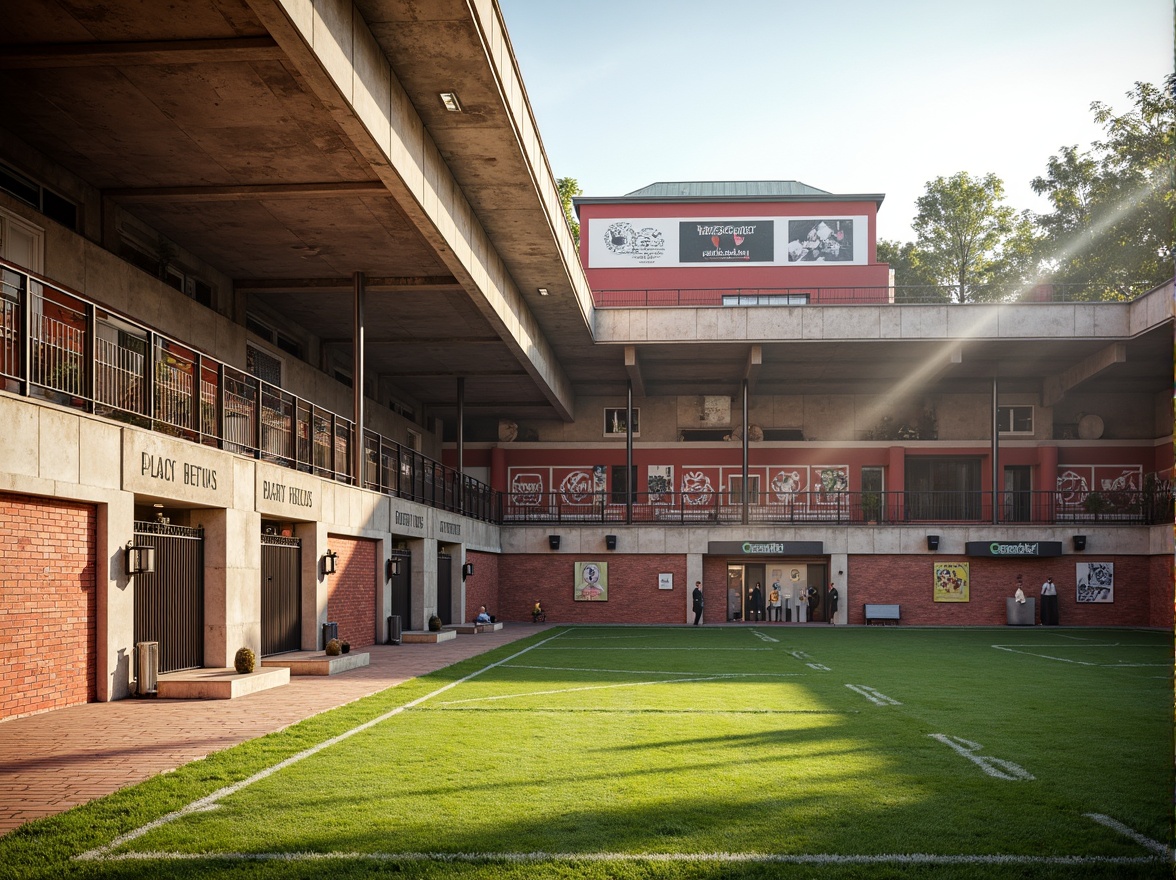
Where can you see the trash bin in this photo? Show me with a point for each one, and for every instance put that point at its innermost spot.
(147, 659)
(1020, 613)
(394, 629)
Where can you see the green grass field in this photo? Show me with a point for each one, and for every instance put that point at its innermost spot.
(682, 752)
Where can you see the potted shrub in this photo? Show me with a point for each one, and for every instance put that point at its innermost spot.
(334, 648)
(434, 624)
(346, 646)
(245, 661)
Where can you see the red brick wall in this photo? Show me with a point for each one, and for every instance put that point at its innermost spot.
(482, 586)
(907, 581)
(48, 604)
(633, 596)
(351, 600)
(1161, 580)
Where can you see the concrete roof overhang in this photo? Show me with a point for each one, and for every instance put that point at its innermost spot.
(232, 128)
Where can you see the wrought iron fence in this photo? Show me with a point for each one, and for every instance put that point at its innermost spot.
(81, 355)
(1145, 506)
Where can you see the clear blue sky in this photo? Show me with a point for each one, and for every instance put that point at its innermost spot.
(855, 96)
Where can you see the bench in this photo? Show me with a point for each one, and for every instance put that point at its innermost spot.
(474, 628)
(882, 613)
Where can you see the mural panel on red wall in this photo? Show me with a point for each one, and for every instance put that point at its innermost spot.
(1113, 486)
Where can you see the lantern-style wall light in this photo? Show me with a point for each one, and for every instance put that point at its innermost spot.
(392, 568)
(467, 570)
(330, 562)
(140, 558)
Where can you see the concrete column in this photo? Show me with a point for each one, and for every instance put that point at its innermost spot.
(232, 583)
(314, 583)
(115, 611)
(839, 577)
(693, 573)
(383, 589)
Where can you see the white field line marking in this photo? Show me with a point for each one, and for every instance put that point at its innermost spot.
(649, 671)
(799, 655)
(1155, 846)
(820, 667)
(211, 801)
(763, 637)
(873, 696)
(594, 687)
(720, 857)
(708, 650)
(1011, 648)
(995, 767)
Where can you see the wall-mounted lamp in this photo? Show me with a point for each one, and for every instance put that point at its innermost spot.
(450, 102)
(140, 559)
(391, 568)
(933, 542)
(610, 541)
(467, 570)
(553, 542)
(1080, 542)
(330, 562)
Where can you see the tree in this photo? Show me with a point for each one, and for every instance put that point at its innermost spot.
(912, 280)
(968, 240)
(1112, 225)
(568, 190)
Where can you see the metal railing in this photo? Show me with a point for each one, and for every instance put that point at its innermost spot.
(59, 346)
(1124, 507)
(863, 295)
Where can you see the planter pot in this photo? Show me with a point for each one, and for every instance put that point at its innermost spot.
(347, 649)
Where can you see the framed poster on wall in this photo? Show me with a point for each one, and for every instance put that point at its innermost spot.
(1096, 582)
(951, 582)
(591, 584)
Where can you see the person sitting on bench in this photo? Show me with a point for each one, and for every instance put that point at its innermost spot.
(483, 616)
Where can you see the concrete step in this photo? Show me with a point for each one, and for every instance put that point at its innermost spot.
(218, 684)
(418, 637)
(318, 663)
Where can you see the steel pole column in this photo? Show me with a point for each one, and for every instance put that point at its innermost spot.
(460, 445)
(629, 481)
(995, 455)
(746, 434)
(357, 379)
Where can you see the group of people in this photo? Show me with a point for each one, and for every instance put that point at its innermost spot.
(1049, 600)
(755, 607)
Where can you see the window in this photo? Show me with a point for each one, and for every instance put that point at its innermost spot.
(620, 485)
(766, 299)
(1014, 419)
(263, 365)
(614, 422)
(49, 203)
(274, 337)
(942, 488)
(735, 489)
(414, 441)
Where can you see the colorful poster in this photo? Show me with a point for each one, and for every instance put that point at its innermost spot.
(726, 241)
(1096, 582)
(820, 240)
(591, 582)
(951, 582)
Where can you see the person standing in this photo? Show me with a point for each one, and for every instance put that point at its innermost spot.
(832, 599)
(1049, 603)
(757, 602)
(814, 599)
(698, 602)
(774, 606)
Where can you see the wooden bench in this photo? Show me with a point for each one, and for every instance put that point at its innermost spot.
(474, 628)
(882, 613)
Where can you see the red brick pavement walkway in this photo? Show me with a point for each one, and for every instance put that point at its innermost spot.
(57, 760)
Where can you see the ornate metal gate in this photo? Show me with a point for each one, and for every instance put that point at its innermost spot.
(281, 594)
(169, 602)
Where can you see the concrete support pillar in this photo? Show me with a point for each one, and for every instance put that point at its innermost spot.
(693, 573)
(232, 583)
(314, 583)
(115, 591)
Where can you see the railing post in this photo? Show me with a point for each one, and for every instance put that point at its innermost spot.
(220, 405)
(257, 408)
(89, 373)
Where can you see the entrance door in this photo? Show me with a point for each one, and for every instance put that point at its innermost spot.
(445, 588)
(402, 590)
(754, 606)
(734, 592)
(1018, 493)
(281, 594)
(818, 576)
(169, 602)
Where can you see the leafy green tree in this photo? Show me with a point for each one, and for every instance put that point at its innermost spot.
(912, 281)
(1114, 207)
(568, 190)
(969, 241)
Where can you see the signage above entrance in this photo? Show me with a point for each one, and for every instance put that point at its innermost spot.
(766, 548)
(1013, 549)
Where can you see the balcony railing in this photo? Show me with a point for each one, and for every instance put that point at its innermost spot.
(1125, 507)
(59, 346)
(860, 296)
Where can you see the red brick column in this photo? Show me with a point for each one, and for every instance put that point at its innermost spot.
(351, 599)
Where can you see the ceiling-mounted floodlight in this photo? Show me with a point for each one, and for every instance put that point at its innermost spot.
(543, 291)
(449, 102)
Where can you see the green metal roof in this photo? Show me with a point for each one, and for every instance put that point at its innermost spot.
(694, 189)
